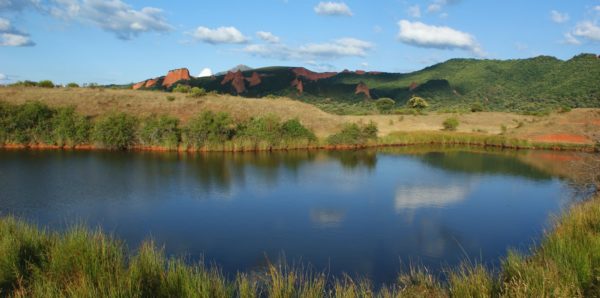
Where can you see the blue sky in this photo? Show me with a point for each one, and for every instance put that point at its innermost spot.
(122, 41)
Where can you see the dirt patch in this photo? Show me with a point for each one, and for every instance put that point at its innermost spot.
(562, 138)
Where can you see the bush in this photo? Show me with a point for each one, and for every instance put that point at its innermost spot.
(209, 127)
(45, 84)
(69, 128)
(160, 131)
(450, 124)
(564, 109)
(197, 92)
(385, 105)
(73, 85)
(115, 131)
(476, 107)
(27, 123)
(417, 103)
(182, 88)
(294, 130)
(353, 134)
(266, 128)
(170, 98)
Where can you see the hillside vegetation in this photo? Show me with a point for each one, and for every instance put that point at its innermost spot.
(528, 86)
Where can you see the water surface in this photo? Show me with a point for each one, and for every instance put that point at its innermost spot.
(367, 213)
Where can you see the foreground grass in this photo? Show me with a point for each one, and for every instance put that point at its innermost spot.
(84, 263)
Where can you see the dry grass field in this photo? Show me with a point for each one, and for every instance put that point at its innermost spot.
(577, 126)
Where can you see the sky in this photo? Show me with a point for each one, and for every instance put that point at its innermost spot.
(124, 41)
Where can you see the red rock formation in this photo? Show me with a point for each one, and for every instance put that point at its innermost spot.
(150, 83)
(176, 75)
(138, 85)
(364, 89)
(254, 79)
(313, 76)
(413, 86)
(360, 72)
(299, 86)
(237, 81)
(374, 72)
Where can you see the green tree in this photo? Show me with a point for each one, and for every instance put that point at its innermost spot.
(197, 92)
(73, 85)
(45, 84)
(417, 103)
(209, 127)
(385, 105)
(182, 88)
(160, 131)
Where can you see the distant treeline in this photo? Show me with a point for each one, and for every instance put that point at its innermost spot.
(35, 123)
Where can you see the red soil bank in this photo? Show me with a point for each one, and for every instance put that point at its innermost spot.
(254, 79)
(299, 86)
(562, 138)
(237, 81)
(150, 83)
(313, 76)
(182, 74)
(413, 86)
(364, 89)
(360, 72)
(138, 85)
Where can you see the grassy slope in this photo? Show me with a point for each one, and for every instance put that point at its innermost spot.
(82, 263)
(95, 102)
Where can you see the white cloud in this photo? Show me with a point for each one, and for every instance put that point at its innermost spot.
(570, 39)
(10, 37)
(414, 11)
(344, 47)
(441, 37)
(219, 35)
(559, 17)
(438, 5)
(333, 9)
(434, 7)
(3, 77)
(15, 40)
(267, 36)
(19, 5)
(588, 30)
(206, 72)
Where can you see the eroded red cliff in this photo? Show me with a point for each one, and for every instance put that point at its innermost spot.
(364, 89)
(182, 74)
(311, 75)
(254, 80)
(237, 81)
(299, 85)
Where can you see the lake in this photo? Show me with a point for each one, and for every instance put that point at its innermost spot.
(369, 213)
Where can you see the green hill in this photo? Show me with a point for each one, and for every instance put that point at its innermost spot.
(521, 85)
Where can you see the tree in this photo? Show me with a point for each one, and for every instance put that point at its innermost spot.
(73, 85)
(450, 124)
(417, 103)
(45, 84)
(197, 92)
(476, 107)
(182, 88)
(385, 105)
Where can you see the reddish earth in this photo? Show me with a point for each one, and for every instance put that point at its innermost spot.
(413, 86)
(237, 81)
(311, 75)
(597, 122)
(254, 79)
(299, 86)
(364, 89)
(182, 74)
(555, 156)
(562, 138)
(360, 72)
(150, 83)
(138, 85)
(374, 72)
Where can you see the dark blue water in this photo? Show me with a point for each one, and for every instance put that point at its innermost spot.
(367, 213)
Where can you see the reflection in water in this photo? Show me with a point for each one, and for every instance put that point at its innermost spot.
(326, 217)
(351, 211)
(420, 196)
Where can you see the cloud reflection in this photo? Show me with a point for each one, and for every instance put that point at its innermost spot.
(418, 196)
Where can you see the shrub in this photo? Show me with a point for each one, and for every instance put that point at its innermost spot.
(417, 103)
(73, 85)
(209, 127)
(450, 124)
(27, 123)
(385, 105)
(182, 88)
(293, 129)
(69, 128)
(197, 92)
(170, 98)
(45, 84)
(266, 128)
(353, 134)
(476, 107)
(564, 109)
(160, 131)
(115, 131)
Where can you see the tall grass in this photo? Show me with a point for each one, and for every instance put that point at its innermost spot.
(82, 263)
